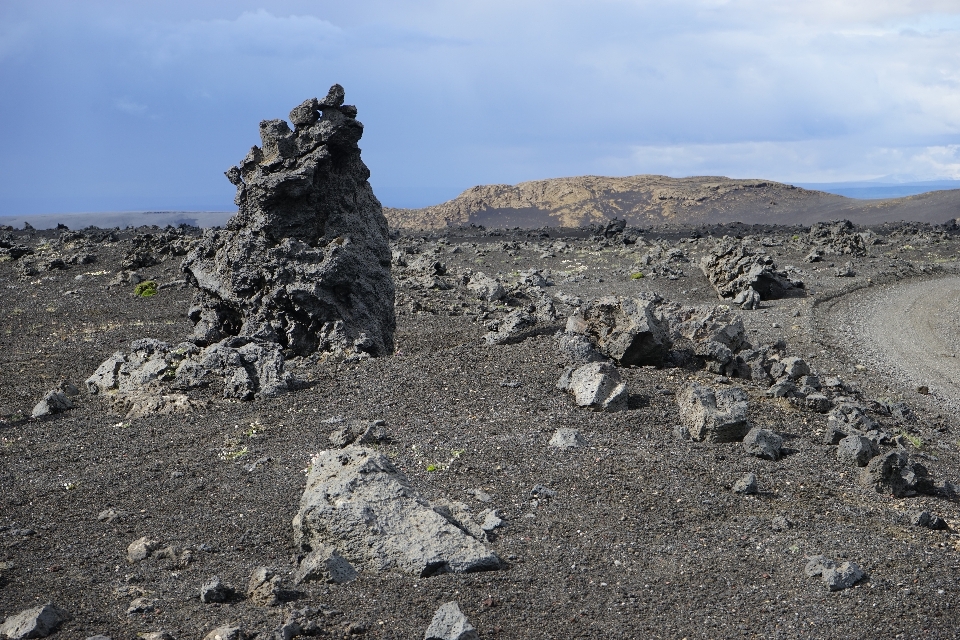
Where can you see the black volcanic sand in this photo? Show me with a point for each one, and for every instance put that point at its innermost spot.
(643, 540)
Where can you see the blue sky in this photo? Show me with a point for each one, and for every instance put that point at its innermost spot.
(110, 105)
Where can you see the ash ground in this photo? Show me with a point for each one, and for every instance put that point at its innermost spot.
(644, 538)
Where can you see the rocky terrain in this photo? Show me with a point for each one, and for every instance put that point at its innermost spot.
(620, 506)
(646, 200)
(307, 425)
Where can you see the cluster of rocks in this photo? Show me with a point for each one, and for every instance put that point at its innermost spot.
(153, 375)
(733, 267)
(839, 238)
(665, 261)
(302, 269)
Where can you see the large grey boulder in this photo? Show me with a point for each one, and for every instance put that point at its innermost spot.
(359, 503)
(597, 385)
(38, 622)
(856, 450)
(628, 330)
(716, 416)
(449, 623)
(305, 262)
(732, 267)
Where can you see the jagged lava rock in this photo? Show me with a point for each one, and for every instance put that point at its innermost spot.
(627, 330)
(305, 262)
(716, 416)
(732, 267)
(357, 502)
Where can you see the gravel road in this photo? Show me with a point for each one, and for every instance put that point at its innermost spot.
(909, 331)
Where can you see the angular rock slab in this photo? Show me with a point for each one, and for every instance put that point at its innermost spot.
(305, 262)
(449, 623)
(359, 503)
(597, 385)
(716, 416)
(624, 329)
(836, 577)
(38, 622)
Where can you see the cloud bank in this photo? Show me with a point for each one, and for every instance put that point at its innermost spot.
(116, 106)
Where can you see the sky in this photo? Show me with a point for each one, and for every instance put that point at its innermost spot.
(134, 105)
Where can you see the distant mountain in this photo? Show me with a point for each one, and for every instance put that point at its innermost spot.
(651, 199)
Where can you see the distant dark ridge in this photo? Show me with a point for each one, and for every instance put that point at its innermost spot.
(120, 219)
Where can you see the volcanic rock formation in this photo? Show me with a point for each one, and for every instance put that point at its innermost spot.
(305, 263)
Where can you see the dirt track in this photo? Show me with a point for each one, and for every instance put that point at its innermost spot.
(909, 331)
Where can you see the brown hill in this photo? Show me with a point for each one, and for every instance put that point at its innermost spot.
(651, 199)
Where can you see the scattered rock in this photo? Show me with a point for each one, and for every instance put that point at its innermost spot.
(264, 587)
(576, 348)
(624, 329)
(856, 450)
(228, 632)
(359, 432)
(486, 288)
(305, 262)
(53, 402)
(490, 520)
(141, 549)
(929, 521)
(567, 439)
(763, 443)
(540, 491)
(359, 503)
(894, 473)
(781, 523)
(449, 623)
(156, 635)
(746, 485)
(38, 622)
(141, 605)
(748, 299)
(216, 591)
(597, 385)
(836, 577)
(299, 622)
(324, 564)
(716, 416)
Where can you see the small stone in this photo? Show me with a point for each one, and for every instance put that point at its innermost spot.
(597, 385)
(833, 436)
(107, 516)
(781, 523)
(141, 605)
(38, 622)
(449, 623)
(929, 521)
(227, 632)
(567, 439)
(540, 491)
(746, 486)
(856, 450)
(763, 443)
(156, 635)
(54, 402)
(141, 549)
(215, 591)
(836, 577)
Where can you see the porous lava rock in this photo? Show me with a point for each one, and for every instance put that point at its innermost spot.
(733, 267)
(357, 502)
(625, 329)
(305, 262)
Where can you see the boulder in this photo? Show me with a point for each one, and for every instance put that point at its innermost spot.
(141, 549)
(38, 622)
(215, 591)
(54, 401)
(856, 450)
(763, 443)
(357, 502)
(894, 473)
(597, 385)
(576, 348)
(264, 587)
(625, 329)
(716, 416)
(486, 288)
(305, 262)
(449, 623)
(731, 267)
